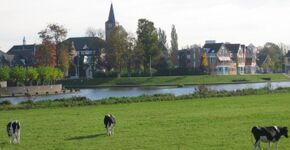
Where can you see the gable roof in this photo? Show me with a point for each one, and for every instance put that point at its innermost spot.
(19, 48)
(212, 47)
(6, 57)
(87, 43)
(233, 48)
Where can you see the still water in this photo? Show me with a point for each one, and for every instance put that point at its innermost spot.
(100, 93)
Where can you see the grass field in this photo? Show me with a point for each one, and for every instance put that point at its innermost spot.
(172, 80)
(204, 124)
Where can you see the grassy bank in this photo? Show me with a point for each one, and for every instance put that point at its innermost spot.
(172, 80)
(204, 124)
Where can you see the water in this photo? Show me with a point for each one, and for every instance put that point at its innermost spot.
(100, 93)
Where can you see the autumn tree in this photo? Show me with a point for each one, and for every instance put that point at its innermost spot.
(118, 49)
(148, 43)
(64, 57)
(46, 54)
(55, 34)
(204, 62)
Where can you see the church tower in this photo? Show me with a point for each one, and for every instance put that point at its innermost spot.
(111, 23)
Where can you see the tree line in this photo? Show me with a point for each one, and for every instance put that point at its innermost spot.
(30, 76)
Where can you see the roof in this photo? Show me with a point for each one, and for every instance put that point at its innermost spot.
(288, 54)
(233, 48)
(86, 43)
(111, 18)
(8, 58)
(212, 47)
(17, 48)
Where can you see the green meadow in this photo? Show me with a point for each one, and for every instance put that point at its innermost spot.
(201, 124)
(173, 80)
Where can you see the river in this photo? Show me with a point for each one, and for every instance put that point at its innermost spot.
(100, 93)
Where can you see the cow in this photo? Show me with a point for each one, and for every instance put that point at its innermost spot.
(110, 122)
(268, 135)
(13, 131)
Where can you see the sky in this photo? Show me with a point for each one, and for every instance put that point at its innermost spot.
(235, 21)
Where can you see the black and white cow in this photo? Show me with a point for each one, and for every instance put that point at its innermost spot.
(268, 135)
(110, 122)
(13, 131)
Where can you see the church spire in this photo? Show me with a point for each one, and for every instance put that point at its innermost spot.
(111, 23)
(111, 18)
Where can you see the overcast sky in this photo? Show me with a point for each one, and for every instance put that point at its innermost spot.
(236, 21)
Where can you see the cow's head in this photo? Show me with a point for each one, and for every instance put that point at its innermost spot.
(284, 131)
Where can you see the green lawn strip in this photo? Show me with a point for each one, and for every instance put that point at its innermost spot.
(204, 124)
(172, 80)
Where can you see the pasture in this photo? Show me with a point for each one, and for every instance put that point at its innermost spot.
(203, 124)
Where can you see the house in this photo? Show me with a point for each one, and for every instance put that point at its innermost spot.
(219, 59)
(265, 64)
(237, 54)
(24, 55)
(90, 54)
(251, 58)
(287, 62)
(190, 58)
(6, 59)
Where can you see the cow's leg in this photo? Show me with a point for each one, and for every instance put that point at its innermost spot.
(276, 145)
(10, 139)
(259, 145)
(107, 128)
(269, 145)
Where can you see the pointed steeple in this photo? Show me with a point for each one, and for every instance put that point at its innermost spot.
(111, 18)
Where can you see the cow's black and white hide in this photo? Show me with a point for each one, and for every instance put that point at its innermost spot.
(271, 134)
(110, 122)
(13, 131)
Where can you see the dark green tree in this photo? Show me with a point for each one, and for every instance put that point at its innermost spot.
(148, 43)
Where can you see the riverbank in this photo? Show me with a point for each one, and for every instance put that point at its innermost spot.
(202, 93)
(202, 124)
(172, 81)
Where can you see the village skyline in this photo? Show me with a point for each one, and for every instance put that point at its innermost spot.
(248, 22)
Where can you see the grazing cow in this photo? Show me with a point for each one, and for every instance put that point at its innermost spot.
(110, 122)
(268, 135)
(13, 131)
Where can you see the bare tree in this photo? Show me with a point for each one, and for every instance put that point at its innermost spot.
(93, 32)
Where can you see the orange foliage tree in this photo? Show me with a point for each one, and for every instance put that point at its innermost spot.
(46, 54)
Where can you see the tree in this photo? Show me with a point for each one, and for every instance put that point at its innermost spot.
(55, 34)
(31, 74)
(174, 45)
(18, 74)
(4, 73)
(118, 49)
(64, 58)
(92, 32)
(165, 63)
(204, 62)
(46, 54)
(148, 42)
(275, 53)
